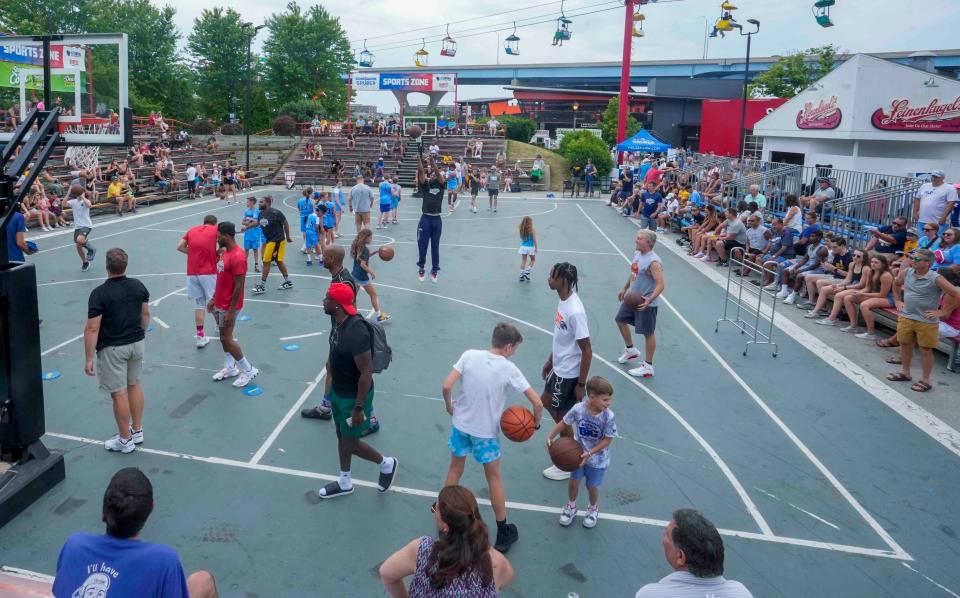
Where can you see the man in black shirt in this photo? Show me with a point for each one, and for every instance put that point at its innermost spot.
(430, 184)
(350, 371)
(276, 230)
(117, 317)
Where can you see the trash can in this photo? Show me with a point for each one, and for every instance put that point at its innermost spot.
(290, 178)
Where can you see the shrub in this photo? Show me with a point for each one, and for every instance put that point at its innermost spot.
(232, 129)
(284, 125)
(577, 147)
(203, 127)
(302, 110)
(519, 128)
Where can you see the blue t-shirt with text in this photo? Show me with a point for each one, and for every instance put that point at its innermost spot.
(385, 188)
(252, 234)
(17, 225)
(650, 201)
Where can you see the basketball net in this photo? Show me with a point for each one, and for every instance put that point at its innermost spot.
(83, 157)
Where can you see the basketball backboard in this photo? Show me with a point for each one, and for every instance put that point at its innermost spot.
(88, 76)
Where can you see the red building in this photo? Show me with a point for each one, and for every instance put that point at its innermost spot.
(720, 123)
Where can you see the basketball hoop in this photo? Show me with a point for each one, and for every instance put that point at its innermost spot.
(84, 157)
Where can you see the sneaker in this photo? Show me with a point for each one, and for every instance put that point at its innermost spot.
(286, 285)
(119, 445)
(660, 231)
(783, 294)
(333, 490)
(629, 355)
(812, 315)
(309, 263)
(791, 298)
(383, 317)
(808, 305)
(256, 268)
(555, 473)
(706, 258)
(321, 411)
(867, 336)
(421, 275)
(91, 253)
(245, 377)
(699, 255)
(644, 371)
(385, 480)
(826, 322)
(568, 513)
(770, 287)
(225, 373)
(848, 328)
(136, 436)
(433, 277)
(260, 289)
(505, 541)
(84, 266)
(590, 519)
(202, 341)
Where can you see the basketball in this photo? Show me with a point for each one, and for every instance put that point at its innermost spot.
(414, 131)
(386, 253)
(517, 423)
(565, 453)
(632, 299)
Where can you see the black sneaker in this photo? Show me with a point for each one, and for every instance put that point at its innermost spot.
(286, 285)
(85, 266)
(505, 541)
(318, 412)
(91, 253)
(259, 289)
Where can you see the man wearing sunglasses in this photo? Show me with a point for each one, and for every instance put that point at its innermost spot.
(890, 238)
(917, 292)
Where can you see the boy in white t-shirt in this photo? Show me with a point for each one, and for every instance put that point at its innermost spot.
(485, 378)
(82, 225)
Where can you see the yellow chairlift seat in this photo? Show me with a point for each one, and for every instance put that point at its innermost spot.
(724, 25)
(728, 6)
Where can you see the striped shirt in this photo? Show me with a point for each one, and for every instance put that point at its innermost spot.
(683, 584)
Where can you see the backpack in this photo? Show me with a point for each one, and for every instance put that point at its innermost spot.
(380, 351)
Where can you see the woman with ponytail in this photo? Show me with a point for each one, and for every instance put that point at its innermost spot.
(459, 563)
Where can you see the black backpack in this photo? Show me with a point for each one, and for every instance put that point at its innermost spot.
(380, 352)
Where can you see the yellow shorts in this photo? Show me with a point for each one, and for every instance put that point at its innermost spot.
(925, 334)
(273, 251)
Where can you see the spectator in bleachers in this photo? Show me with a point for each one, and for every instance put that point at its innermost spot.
(824, 193)
(793, 218)
(934, 202)
(879, 294)
(351, 140)
(692, 217)
(929, 238)
(948, 255)
(918, 290)
(536, 170)
(699, 235)
(315, 128)
(734, 236)
(381, 126)
(163, 174)
(492, 125)
(397, 147)
(869, 277)
(317, 151)
(949, 312)
(834, 268)
(119, 193)
(754, 195)
(124, 565)
(792, 277)
(781, 251)
(758, 238)
(888, 239)
(828, 288)
(384, 148)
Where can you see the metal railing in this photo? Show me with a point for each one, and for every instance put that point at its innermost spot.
(853, 217)
(743, 304)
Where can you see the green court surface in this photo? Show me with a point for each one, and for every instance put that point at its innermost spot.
(819, 488)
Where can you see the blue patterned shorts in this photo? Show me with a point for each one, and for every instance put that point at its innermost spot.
(484, 450)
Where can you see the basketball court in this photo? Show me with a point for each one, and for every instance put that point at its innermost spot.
(819, 487)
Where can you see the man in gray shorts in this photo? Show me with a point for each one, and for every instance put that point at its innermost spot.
(646, 278)
(360, 201)
(117, 316)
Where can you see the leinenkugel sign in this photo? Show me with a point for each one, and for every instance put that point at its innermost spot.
(824, 115)
(932, 117)
(404, 81)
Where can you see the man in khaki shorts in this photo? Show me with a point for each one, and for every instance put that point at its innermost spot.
(117, 318)
(360, 202)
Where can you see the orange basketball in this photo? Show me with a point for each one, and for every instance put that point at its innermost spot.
(631, 299)
(517, 423)
(386, 253)
(565, 453)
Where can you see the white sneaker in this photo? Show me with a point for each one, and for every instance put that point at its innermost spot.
(202, 341)
(848, 328)
(783, 294)
(568, 513)
(770, 287)
(136, 436)
(791, 298)
(555, 473)
(811, 314)
(644, 371)
(706, 258)
(226, 373)
(867, 336)
(590, 519)
(826, 322)
(119, 445)
(245, 377)
(699, 255)
(629, 355)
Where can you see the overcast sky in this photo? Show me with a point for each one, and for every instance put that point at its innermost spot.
(674, 29)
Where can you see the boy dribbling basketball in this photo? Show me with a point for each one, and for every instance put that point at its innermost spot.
(485, 377)
(596, 428)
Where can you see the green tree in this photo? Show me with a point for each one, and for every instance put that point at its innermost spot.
(578, 147)
(306, 54)
(519, 128)
(608, 122)
(791, 74)
(49, 16)
(218, 47)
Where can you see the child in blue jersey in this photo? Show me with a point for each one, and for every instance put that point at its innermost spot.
(306, 206)
(252, 233)
(328, 223)
(528, 247)
(453, 184)
(312, 236)
(386, 203)
(395, 198)
(337, 196)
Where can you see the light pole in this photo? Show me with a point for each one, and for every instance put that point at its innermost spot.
(248, 116)
(576, 106)
(706, 37)
(746, 80)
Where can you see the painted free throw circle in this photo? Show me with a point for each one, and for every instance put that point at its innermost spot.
(252, 391)
(291, 347)
(51, 375)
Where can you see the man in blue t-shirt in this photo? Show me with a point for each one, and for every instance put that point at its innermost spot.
(252, 233)
(119, 563)
(890, 238)
(17, 245)
(650, 204)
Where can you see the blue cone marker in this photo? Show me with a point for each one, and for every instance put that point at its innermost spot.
(51, 375)
(291, 347)
(252, 391)
(243, 318)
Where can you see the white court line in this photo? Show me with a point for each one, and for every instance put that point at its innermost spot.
(944, 588)
(290, 338)
(61, 345)
(877, 528)
(165, 230)
(286, 418)
(858, 550)
(160, 322)
(513, 249)
(177, 365)
(804, 511)
(26, 574)
(157, 301)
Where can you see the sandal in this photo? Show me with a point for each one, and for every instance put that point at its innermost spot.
(921, 386)
(888, 343)
(898, 377)
(894, 360)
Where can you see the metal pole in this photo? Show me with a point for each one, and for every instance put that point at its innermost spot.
(625, 71)
(90, 105)
(246, 120)
(47, 96)
(348, 107)
(706, 37)
(743, 107)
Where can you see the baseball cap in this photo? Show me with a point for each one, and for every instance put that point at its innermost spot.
(342, 293)
(938, 173)
(913, 231)
(227, 228)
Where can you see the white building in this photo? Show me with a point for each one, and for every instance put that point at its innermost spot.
(870, 115)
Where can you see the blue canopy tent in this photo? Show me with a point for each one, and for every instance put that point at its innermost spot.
(643, 141)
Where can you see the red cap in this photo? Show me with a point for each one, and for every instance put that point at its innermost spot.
(343, 294)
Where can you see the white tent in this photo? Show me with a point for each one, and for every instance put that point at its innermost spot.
(870, 115)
